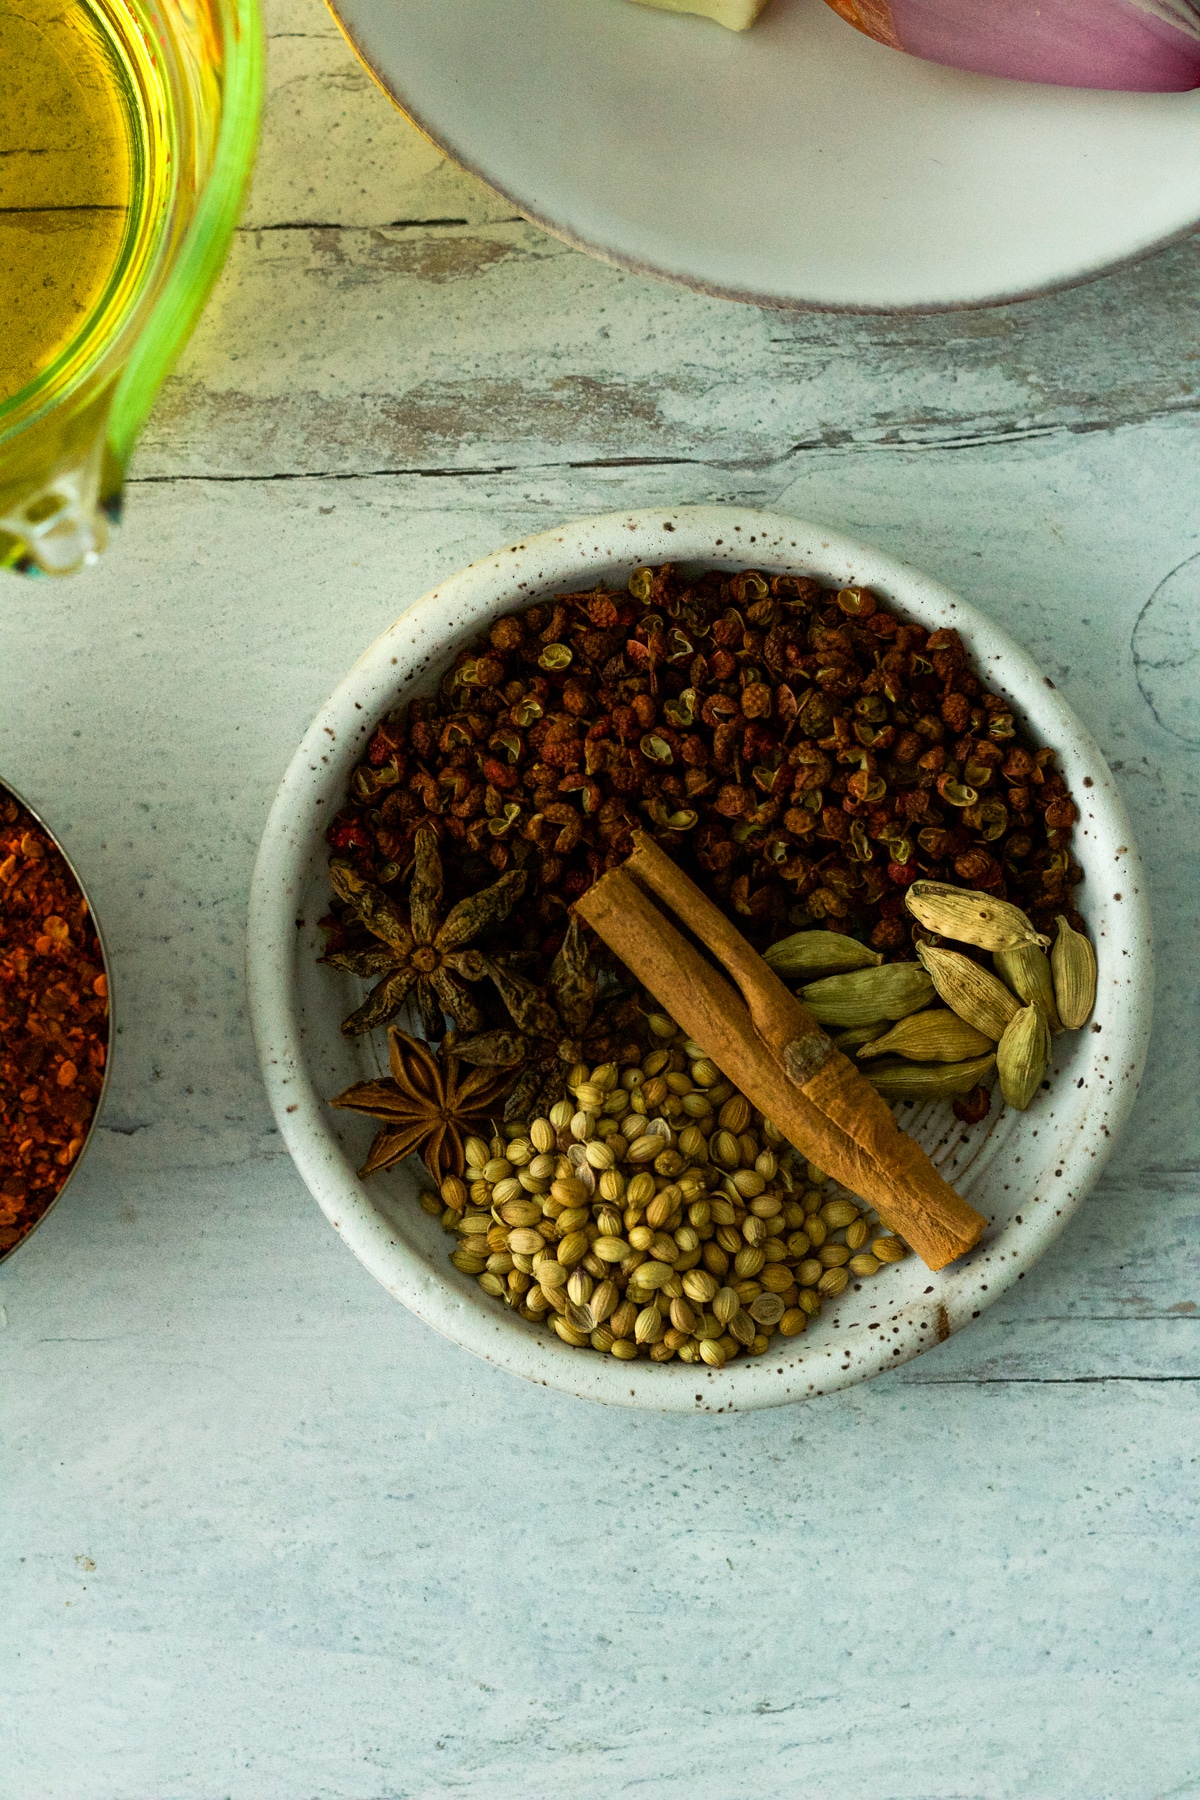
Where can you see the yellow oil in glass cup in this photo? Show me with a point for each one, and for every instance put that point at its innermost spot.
(127, 132)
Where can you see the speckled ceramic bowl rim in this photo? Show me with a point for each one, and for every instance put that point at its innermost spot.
(6, 787)
(421, 639)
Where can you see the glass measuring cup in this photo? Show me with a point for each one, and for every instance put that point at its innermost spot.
(130, 129)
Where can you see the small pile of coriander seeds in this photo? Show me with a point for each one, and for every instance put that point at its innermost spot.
(657, 1214)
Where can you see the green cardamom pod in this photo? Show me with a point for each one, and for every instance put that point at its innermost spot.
(1021, 1058)
(969, 990)
(970, 917)
(889, 992)
(929, 1081)
(854, 1036)
(1073, 966)
(934, 1036)
(1027, 972)
(813, 953)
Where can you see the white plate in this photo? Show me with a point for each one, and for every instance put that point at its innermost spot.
(798, 163)
(1027, 1172)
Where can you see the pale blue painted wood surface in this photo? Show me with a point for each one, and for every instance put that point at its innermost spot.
(264, 1536)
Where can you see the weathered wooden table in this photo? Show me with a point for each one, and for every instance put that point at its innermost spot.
(266, 1537)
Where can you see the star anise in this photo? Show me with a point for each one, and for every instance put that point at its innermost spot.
(428, 1104)
(555, 1027)
(422, 954)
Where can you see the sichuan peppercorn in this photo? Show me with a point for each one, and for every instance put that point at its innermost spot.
(804, 753)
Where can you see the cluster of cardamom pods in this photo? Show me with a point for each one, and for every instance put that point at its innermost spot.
(999, 1020)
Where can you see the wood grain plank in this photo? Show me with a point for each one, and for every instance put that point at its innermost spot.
(254, 1488)
(266, 1535)
(355, 351)
(335, 151)
(382, 311)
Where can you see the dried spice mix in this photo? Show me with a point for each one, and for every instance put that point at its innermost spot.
(825, 772)
(804, 754)
(53, 1021)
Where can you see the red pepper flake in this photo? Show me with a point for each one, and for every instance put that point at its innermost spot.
(53, 1021)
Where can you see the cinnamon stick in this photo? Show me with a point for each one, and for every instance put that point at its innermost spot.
(765, 1041)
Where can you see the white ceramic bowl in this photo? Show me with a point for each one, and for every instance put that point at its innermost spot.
(797, 164)
(1027, 1172)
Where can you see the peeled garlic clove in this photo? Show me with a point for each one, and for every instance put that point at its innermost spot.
(734, 14)
(1131, 46)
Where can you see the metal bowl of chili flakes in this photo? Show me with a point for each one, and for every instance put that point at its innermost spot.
(55, 1021)
(1026, 1172)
